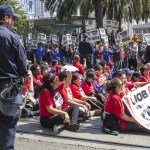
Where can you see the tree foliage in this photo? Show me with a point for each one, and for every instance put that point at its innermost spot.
(21, 21)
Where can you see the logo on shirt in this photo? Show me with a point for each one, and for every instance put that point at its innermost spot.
(58, 100)
(69, 92)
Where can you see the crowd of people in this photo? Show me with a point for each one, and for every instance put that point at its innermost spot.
(104, 75)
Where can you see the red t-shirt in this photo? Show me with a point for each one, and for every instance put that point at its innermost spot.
(46, 99)
(114, 105)
(144, 79)
(88, 88)
(63, 92)
(77, 91)
(25, 87)
(129, 86)
(79, 66)
(37, 81)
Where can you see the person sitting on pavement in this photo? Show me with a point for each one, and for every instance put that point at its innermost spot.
(145, 74)
(76, 63)
(79, 94)
(116, 115)
(51, 101)
(90, 90)
(68, 98)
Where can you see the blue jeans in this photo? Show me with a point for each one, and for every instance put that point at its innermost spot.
(8, 131)
(7, 125)
(118, 64)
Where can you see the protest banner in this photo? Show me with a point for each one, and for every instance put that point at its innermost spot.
(95, 35)
(73, 39)
(146, 38)
(138, 103)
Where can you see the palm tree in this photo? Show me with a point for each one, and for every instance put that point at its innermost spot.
(65, 9)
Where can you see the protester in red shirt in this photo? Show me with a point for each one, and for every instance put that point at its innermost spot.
(135, 77)
(78, 65)
(78, 92)
(37, 78)
(114, 108)
(67, 96)
(51, 102)
(145, 74)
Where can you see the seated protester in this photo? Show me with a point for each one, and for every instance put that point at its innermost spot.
(51, 101)
(105, 69)
(58, 70)
(145, 74)
(128, 86)
(32, 105)
(135, 77)
(111, 66)
(76, 63)
(90, 90)
(37, 79)
(54, 65)
(115, 114)
(67, 96)
(44, 70)
(79, 94)
(128, 73)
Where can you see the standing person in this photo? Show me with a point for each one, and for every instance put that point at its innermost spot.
(133, 55)
(39, 53)
(12, 66)
(86, 51)
(117, 58)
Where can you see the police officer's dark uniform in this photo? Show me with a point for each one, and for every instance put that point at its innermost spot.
(86, 51)
(12, 66)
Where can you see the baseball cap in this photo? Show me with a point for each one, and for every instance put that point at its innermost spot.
(127, 71)
(91, 75)
(8, 10)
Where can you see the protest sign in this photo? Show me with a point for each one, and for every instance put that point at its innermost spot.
(41, 37)
(31, 24)
(48, 39)
(123, 36)
(108, 24)
(102, 32)
(73, 39)
(95, 35)
(54, 39)
(115, 25)
(146, 38)
(138, 103)
(66, 39)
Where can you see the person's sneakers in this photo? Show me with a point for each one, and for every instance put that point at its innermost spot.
(72, 127)
(108, 131)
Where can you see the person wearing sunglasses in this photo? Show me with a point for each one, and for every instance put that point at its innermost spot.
(12, 67)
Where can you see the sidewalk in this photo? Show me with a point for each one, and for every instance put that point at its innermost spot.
(90, 130)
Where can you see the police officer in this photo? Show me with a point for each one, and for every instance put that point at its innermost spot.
(86, 51)
(12, 66)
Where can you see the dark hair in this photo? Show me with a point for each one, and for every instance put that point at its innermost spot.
(47, 79)
(54, 62)
(90, 70)
(2, 16)
(62, 75)
(111, 85)
(142, 70)
(34, 67)
(118, 74)
(97, 67)
(75, 76)
(135, 74)
(43, 68)
(103, 63)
